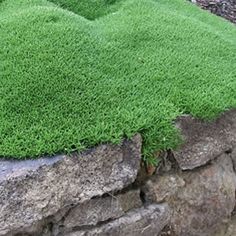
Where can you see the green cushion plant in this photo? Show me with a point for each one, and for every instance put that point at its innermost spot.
(74, 74)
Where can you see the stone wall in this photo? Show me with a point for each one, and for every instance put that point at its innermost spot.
(106, 191)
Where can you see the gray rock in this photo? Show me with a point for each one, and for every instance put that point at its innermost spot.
(101, 209)
(227, 228)
(203, 141)
(233, 157)
(33, 190)
(145, 221)
(200, 200)
(162, 187)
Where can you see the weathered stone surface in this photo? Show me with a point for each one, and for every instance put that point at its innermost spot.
(203, 141)
(102, 209)
(233, 157)
(145, 221)
(227, 229)
(200, 200)
(33, 190)
(206, 201)
(162, 188)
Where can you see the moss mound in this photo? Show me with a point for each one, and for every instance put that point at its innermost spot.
(76, 75)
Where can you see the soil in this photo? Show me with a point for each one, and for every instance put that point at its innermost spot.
(223, 8)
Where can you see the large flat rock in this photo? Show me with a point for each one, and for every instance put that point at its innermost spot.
(204, 141)
(145, 221)
(102, 209)
(35, 189)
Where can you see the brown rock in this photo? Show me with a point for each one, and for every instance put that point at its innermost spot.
(227, 229)
(203, 141)
(161, 188)
(200, 200)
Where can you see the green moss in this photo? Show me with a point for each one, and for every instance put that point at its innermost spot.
(69, 83)
(90, 9)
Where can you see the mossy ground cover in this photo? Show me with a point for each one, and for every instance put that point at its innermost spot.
(73, 76)
(90, 9)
